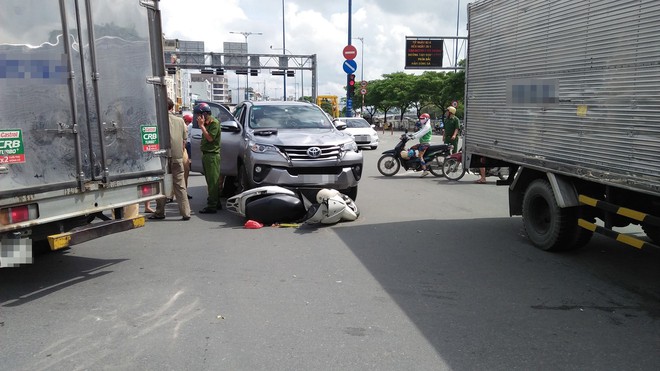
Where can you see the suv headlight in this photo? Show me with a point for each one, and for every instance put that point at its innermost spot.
(262, 148)
(349, 146)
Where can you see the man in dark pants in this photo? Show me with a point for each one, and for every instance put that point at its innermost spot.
(451, 129)
(210, 147)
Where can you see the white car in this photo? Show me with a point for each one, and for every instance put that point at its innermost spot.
(364, 134)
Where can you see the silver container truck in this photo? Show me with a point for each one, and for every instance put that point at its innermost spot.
(83, 120)
(567, 94)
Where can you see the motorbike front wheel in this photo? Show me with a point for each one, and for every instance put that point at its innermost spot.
(453, 169)
(388, 165)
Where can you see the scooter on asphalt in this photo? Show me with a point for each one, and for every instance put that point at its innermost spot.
(453, 168)
(392, 160)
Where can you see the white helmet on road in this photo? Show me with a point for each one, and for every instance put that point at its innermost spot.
(332, 207)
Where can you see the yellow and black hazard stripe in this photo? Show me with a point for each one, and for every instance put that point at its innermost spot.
(94, 230)
(621, 237)
(623, 211)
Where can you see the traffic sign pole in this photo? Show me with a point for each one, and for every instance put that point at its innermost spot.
(349, 102)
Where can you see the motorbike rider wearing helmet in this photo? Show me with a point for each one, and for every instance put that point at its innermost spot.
(451, 129)
(210, 147)
(423, 133)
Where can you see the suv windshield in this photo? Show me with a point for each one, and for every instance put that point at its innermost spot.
(288, 117)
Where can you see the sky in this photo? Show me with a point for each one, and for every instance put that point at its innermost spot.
(317, 27)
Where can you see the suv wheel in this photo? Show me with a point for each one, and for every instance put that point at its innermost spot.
(229, 187)
(351, 192)
(243, 181)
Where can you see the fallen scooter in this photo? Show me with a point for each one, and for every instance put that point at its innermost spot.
(273, 204)
(392, 160)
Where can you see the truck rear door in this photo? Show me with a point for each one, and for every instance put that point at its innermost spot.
(75, 105)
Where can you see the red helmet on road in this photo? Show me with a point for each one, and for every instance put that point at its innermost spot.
(187, 118)
(424, 116)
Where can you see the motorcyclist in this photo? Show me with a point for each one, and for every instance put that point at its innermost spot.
(423, 133)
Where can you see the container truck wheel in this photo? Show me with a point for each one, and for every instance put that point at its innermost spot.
(652, 232)
(548, 226)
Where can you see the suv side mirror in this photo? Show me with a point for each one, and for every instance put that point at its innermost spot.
(339, 125)
(230, 126)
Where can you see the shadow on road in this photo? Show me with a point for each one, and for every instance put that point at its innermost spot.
(476, 288)
(51, 271)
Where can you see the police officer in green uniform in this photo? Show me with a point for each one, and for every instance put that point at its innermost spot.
(210, 147)
(451, 128)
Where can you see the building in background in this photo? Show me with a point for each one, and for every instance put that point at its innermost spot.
(179, 83)
(210, 87)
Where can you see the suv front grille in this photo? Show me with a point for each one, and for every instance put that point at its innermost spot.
(297, 153)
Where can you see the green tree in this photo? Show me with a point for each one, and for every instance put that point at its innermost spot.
(401, 89)
(430, 85)
(378, 96)
(430, 92)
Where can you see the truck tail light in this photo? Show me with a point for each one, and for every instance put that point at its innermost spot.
(18, 214)
(150, 189)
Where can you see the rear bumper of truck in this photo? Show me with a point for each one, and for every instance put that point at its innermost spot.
(67, 217)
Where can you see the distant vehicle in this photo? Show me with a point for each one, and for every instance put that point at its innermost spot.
(289, 144)
(364, 134)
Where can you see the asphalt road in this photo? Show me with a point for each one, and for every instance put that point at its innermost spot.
(434, 275)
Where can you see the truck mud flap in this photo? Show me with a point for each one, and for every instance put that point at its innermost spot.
(621, 237)
(92, 231)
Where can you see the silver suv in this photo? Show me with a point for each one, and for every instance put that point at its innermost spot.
(289, 144)
(295, 144)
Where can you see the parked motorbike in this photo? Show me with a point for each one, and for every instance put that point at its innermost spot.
(453, 168)
(392, 160)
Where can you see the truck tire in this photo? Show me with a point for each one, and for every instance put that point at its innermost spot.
(652, 232)
(548, 226)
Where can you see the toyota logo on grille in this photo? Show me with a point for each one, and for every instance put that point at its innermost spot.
(314, 152)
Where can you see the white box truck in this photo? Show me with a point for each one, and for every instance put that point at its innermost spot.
(567, 93)
(83, 120)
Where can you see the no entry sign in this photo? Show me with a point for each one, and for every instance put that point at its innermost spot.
(350, 52)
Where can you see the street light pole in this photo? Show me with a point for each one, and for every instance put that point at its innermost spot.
(247, 76)
(361, 69)
(458, 17)
(283, 47)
